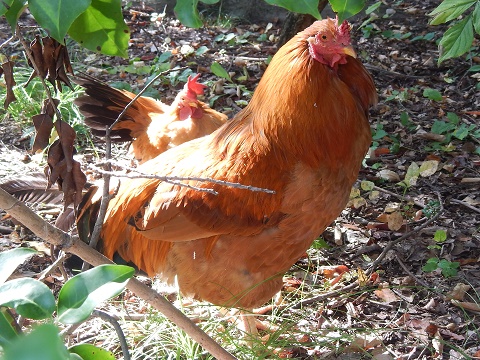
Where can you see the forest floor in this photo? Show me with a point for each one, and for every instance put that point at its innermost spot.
(418, 194)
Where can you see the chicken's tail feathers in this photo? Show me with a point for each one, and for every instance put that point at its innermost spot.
(102, 104)
(35, 189)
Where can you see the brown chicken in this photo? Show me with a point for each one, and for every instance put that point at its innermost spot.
(303, 135)
(152, 126)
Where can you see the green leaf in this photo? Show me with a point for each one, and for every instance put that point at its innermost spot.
(440, 236)
(201, 50)
(218, 70)
(442, 127)
(454, 118)
(16, 9)
(457, 40)
(56, 16)
(346, 8)
(30, 298)
(476, 17)
(9, 260)
(449, 10)
(431, 265)
(7, 332)
(187, 12)
(449, 268)
(43, 343)
(462, 131)
(298, 6)
(3, 8)
(91, 352)
(373, 7)
(82, 293)
(101, 28)
(209, 2)
(432, 94)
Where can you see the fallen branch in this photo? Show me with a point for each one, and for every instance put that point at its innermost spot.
(467, 205)
(55, 236)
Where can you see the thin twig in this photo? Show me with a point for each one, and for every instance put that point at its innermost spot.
(392, 243)
(326, 295)
(400, 197)
(176, 180)
(6, 42)
(106, 177)
(118, 329)
(53, 266)
(412, 275)
(467, 205)
(20, 37)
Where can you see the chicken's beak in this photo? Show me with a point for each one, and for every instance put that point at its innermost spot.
(348, 50)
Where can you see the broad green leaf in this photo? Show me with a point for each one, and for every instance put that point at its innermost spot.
(299, 6)
(3, 8)
(457, 40)
(346, 8)
(442, 127)
(82, 293)
(432, 94)
(9, 260)
(101, 28)
(431, 265)
(218, 70)
(16, 9)
(7, 333)
(476, 17)
(30, 298)
(449, 10)
(187, 12)
(440, 236)
(209, 2)
(43, 343)
(462, 131)
(56, 16)
(91, 352)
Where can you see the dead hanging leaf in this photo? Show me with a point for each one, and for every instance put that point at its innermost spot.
(428, 168)
(458, 292)
(67, 137)
(52, 61)
(43, 126)
(395, 221)
(7, 68)
(43, 123)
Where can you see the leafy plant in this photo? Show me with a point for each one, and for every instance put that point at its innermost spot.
(458, 39)
(33, 299)
(448, 268)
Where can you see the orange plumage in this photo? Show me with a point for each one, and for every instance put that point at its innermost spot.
(304, 135)
(152, 126)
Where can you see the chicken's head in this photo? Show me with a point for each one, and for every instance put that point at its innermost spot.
(331, 44)
(188, 104)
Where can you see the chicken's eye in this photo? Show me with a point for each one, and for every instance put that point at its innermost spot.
(324, 37)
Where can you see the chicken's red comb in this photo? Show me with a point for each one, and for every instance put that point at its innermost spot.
(193, 86)
(344, 28)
